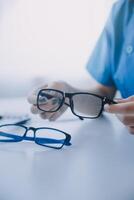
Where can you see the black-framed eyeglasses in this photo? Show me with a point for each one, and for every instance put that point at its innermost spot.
(51, 100)
(44, 136)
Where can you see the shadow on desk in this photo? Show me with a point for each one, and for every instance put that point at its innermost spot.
(94, 130)
(100, 157)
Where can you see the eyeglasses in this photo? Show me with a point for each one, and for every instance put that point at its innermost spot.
(44, 136)
(51, 100)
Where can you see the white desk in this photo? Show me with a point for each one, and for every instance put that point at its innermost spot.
(98, 166)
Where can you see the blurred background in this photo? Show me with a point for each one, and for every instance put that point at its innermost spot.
(42, 40)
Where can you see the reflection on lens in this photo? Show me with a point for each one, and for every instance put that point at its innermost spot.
(91, 108)
(49, 100)
(11, 133)
(50, 137)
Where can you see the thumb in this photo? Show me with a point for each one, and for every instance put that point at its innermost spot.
(129, 99)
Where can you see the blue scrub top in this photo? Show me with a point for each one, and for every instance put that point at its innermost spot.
(112, 61)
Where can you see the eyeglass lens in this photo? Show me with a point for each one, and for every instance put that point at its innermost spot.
(11, 133)
(92, 105)
(50, 138)
(49, 100)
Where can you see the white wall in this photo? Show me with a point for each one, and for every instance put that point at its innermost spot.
(50, 38)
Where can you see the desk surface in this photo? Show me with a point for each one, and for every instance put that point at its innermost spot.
(98, 166)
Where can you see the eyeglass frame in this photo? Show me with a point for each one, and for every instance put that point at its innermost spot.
(25, 137)
(105, 100)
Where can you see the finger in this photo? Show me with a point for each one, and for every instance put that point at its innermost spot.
(56, 115)
(131, 129)
(126, 120)
(45, 115)
(121, 108)
(35, 110)
(32, 97)
(131, 98)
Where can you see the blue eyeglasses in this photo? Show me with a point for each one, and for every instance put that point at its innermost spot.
(44, 136)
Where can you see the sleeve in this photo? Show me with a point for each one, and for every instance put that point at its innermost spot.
(100, 62)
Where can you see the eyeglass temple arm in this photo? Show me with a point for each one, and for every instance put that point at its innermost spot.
(109, 101)
(52, 141)
(8, 135)
(19, 122)
(41, 140)
(22, 122)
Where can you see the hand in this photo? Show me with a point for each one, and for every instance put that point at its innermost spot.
(32, 98)
(124, 110)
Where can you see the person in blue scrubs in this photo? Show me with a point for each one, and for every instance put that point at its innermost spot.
(112, 62)
(111, 65)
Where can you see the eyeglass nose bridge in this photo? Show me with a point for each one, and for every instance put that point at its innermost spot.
(29, 138)
(30, 129)
(68, 95)
(108, 101)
